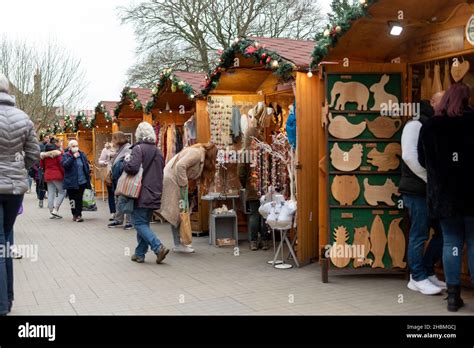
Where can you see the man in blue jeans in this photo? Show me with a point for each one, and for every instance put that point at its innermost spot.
(413, 187)
(19, 150)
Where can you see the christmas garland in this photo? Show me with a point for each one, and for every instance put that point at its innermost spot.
(249, 49)
(176, 83)
(132, 97)
(337, 28)
(100, 109)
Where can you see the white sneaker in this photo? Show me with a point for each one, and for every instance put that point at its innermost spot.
(439, 283)
(424, 286)
(183, 249)
(56, 214)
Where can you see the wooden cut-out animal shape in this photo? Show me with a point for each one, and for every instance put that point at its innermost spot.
(459, 70)
(346, 161)
(349, 92)
(375, 194)
(381, 97)
(345, 189)
(386, 160)
(378, 240)
(384, 127)
(341, 128)
(396, 244)
(339, 251)
(361, 244)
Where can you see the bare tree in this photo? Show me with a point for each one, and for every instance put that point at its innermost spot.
(43, 79)
(186, 34)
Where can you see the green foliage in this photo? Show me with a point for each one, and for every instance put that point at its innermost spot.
(340, 21)
(250, 49)
(132, 98)
(100, 109)
(176, 83)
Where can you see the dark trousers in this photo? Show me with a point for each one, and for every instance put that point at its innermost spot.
(9, 207)
(40, 189)
(75, 200)
(111, 199)
(457, 232)
(255, 224)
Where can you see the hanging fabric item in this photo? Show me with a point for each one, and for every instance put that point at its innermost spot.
(220, 115)
(291, 126)
(190, 131)
(447, 76)
(179, 140)
(426, 84)
(235, 127)
(437, 85)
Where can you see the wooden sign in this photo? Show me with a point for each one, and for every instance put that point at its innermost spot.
(370, 145)
(346, 161)
(347, 216)
(460, 70)
(345, 189)
(436, 44)
(383, 194)
(378, 240)
(340, 127)
(366, 169)
(384, 127)
(377, 212)
(396, 244)
(386, 160)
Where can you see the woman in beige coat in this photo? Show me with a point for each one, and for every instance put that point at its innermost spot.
(192, 163)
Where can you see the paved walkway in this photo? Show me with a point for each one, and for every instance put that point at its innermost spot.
(85, 269)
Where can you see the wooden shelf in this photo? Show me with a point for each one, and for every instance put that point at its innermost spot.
(335, 140)
(355, 112)
(384, 207)
(363, 173)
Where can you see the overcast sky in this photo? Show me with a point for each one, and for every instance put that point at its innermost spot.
(89, 28)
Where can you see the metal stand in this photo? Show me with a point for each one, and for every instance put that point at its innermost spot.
(284, 239)
(274, 262)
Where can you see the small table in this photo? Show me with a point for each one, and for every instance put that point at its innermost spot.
(219, 197)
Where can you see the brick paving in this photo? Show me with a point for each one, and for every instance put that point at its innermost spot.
(85, 269)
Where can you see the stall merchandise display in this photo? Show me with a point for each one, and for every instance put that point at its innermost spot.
(347, 161)
(341, 128)
(364, 156)
(396, 244)
(386, 160)
(220, 115)
(169, 139)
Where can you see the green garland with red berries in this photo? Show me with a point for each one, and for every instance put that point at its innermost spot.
(337, 27)
(132, 98)
(281, 67)
(176, 83)
(100, 109)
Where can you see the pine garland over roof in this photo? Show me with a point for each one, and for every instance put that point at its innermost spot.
(337, 27)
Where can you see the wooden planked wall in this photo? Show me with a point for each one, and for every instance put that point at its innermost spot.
(308, 102)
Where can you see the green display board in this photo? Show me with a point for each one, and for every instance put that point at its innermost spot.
(364, 156)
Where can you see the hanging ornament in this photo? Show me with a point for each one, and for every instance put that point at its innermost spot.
(338, 29)
(269, 59)
(173, 88)
(181, 83)
(155, 90)
(275, 64)
(251, 49)
(326, 33)
(264, 55)
(168, 107)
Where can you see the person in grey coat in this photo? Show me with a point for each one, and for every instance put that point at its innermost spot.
(19, 150)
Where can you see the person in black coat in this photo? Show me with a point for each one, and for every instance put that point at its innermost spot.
(76, 178)
(448, 145)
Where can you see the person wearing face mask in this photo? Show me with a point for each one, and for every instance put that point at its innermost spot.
(76, 177)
